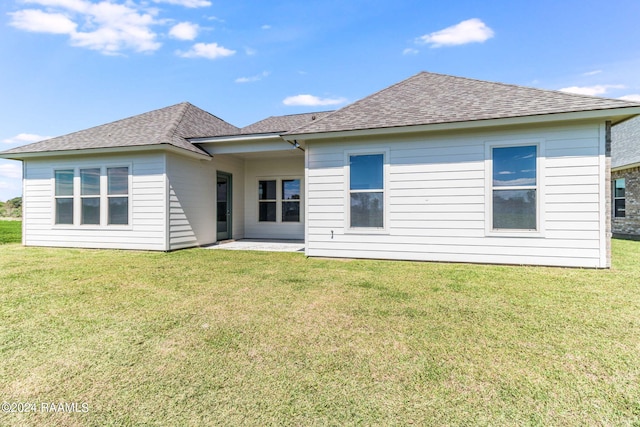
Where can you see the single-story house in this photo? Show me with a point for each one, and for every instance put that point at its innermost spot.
(625, 179)
(433, 168)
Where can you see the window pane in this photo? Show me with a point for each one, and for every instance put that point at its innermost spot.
(64, 183)
(90, 182)
(90, 210)
(119, 210)
(366, 210)
(290, 189)
(514, 166)
(267, 211)
(619, 187)
(64, 211)
(514, 209)
(118, 180)
(366, 172)
(290, 211)
(620, 210)
(267, 190)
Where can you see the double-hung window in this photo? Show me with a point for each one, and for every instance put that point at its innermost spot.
(64, 196)
(90, 196)
(97, 196)
(619, 208)
(515, 188)
(279, 200)
(366, 191)
(118, 195)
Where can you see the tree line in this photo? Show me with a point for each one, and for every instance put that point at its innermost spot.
(11, 208)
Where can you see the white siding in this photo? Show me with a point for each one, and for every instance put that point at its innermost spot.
(271, 168)
(147, 205)
(191, 195)
(436, 200)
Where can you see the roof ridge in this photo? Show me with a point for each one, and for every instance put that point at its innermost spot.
(327, 117)
(513, 85)
(175, 124)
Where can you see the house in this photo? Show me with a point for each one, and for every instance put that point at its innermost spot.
(433, 168)
(625, 179)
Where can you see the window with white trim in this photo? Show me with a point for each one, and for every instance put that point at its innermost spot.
(619, 188)
(366, 190)
(99, 187)
(64, 196)
(515, 188)
(279, 200)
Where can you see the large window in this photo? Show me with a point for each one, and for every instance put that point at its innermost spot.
(515, 187)
(619, 210)
(93, 196)
(279, 200)
(366, 190)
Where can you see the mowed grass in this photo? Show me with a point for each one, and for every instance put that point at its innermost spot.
(210, 337)
(10, 232)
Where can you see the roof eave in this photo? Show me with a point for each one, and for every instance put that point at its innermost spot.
(235, 138)
(109, 150)
(613, 114)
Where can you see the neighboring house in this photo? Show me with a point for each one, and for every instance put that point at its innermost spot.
(625, 179)
(434, 168)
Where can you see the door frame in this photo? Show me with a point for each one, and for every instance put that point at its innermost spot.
(229, 178)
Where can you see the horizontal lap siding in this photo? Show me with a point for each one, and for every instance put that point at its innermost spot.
(436, 200)
(192, 184)
(147, 199)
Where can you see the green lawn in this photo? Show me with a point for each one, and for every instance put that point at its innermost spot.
(203, 337)
(10, 232)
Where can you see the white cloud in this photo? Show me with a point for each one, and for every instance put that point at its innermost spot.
(103, 26)
(38, 21)
(410, 51)
(592, 73)
(469, 31)
(635, 97)
(266, 27)
(10, 170)
(184, 31)
(187, 3)
(206, 50)
(25, 138)
(311, 100)
(252, 79)
(595, 90)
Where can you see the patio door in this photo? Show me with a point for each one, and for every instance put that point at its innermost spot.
(223, 206)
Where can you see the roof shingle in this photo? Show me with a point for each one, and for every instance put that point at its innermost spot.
(429, 98)
(171, 125)
(281, 124)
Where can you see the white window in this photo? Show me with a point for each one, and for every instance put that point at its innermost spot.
(366, 191)
(279, 200)
(64, 196)
(98, 187)
(514, 188)
(619, 188)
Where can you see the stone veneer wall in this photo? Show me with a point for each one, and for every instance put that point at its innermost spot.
(629, 226)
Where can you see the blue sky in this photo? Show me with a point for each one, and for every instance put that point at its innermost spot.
(73, 64)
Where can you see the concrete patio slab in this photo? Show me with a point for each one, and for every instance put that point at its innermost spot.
(260, 245)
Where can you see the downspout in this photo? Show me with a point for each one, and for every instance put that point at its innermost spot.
(607, 189)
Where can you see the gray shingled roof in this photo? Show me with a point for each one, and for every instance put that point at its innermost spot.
(625, 143)
(429, 98)
(281, 124)
(171, 125)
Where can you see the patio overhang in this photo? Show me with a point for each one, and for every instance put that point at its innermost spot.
(247, 146)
